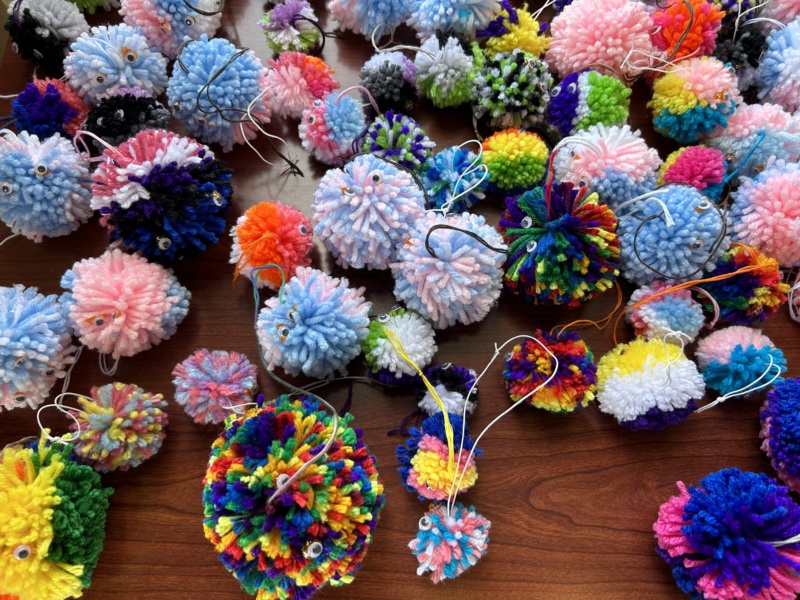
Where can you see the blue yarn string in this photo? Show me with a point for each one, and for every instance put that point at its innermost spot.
(748, 156)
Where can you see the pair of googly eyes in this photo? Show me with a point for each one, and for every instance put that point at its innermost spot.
(571, 89)
(119, 115)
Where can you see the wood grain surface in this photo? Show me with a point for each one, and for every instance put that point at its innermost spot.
(571, 498)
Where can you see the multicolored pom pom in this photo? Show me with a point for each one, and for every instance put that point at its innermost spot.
(780, 430)
(414, 336)
(701, 167)
(211, 385)
(391, 79)
(460, 16)
(398, 138)
(515, 29)
(292, 26)
(446, 65)
(295, 80)
(673, 317)
(48, 106)
(120, 117)
(299, 528)
(452, 384)
(778, 75)
(454, 179)
(687, 28)
(330, 128)
(516, 160)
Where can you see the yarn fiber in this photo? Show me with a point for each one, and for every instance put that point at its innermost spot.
(780, 430)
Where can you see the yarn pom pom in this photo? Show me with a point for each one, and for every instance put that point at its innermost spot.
(511, 89)
(111, 58)
(450, 269)
(121, 116)
(120, 304)
(425, 467)
(529, 366)
(448, 544)
(42, 30)
(784, 11)
(780, 430)
(515, 29)
(398, 138)
(291, 26)
(698, 166)
(319, 525)
(391, 79)
(315, 326)
(212, 385)
(562, 245)
(119, 427)
(296, 80)
(676, 234)
(686, 28)
(515, 159)
(168, 24)
(766, 210)
(736, 358)
(445, 67)
(743, 54)
(44, 186)
(704, 532)
(452, 383)
(750, 297)
(586, 98)
(212, 89)
(778, 76)
(454, 179)
(367, 16)
(329, 129)
(162, 195)
(271, 233)
(48, 106)
(416, 339)
(648, 385)
(459, 16)
(54, 518)
(675, 317)
(581, 40)
(364, 210)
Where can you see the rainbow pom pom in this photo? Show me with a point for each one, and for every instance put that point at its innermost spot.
(687, 28)
(452, 383)
(122, 116)
(778, 76)
(516, 160)
(398, 138)
(330, 128)
(674, 317)
(391, 79)
(295, 80)
(290, 27)
(515, 29)
(48, 106)
(445, 65)
(459, 16)
(318, 529)
(698, 166)
(780, 430)
(416, 339)
(454, 179)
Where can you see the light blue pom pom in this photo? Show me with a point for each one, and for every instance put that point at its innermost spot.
(344, 118)
(778, 75)
(460, 16)
(178, 309)
(615, 187)
(364, 16)
(454, 171)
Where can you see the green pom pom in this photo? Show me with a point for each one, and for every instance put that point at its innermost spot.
(608, 101)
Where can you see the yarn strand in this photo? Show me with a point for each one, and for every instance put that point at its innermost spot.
(746, 389)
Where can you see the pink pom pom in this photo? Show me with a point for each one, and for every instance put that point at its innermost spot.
(698, 166)
(297, 80)
(669, 524)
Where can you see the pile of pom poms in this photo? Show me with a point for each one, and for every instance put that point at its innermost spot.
(393, 334)
(456, 387)
(780, 430)
(515, 160)
(48, 106)
(657, 312)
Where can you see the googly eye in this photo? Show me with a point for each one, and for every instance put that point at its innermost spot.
(757, 169)
(531, 246)
(729, 157)
(526, 222)
(704, 205)
(19, 400)
(119, 114)
(20, 358)
(348, 191)
(130, 56)
(188, 21)
(50, 372)
(6, 187)
(312, 550)
(100, 121)
(509, 356)
(377, 178)
(283, 332)
(14, 47)
(447, 365)
(38, 55)
(281, 480)
(582, 182)
(383, 318)
(302, 229)
(43, 32)
(311, 119)
(555, 91)
(41, 170)
(572, 153)
(292, 316)
(176, 105)
(100, 78)
(99, 321)
(217, 198)
(572, 87)
(201, 120)
(317, 102)
(164, 243)
(697, 244)
(22, 552)
(425, 523)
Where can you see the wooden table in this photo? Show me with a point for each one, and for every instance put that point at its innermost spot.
(571, 498)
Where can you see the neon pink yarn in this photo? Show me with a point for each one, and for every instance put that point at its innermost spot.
(297, 80)
(697, 166)
(670, 521)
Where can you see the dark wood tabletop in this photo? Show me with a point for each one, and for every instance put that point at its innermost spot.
(572, 499)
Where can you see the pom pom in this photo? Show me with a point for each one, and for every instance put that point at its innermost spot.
(445, 67)
(391, 79)
(515, 159)
(698, 166)
(318, 529)
(780, 430)
(674, 317)
(48, 106)
(162, 195)
(210, 386)
(581, 37)
(364, 210)
(365, 16)
(529, 366)
(452, 383)
(329, 129)
(121, 116)
(54, 518)
(44, 186)
(296, 80)
(168, 24)
(212, 88)
(447, 545)
(746, 298)
(292, 26)
(121, 304)
(705, 532)
(425, 467)
(742, 54)
(416, 339)
(271, 233)
(112, 58)
(586, 98)
(733, 358)
(315, 326)
(784, 11)
(563, 245)
(119, 427)
(647, 384)
(686, 28)
(396, 137)
(675, 235)
(515, 29)
(447, 275)
(459, 16)
(454, 179)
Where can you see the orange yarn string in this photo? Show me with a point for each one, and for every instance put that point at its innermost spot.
(599, 325)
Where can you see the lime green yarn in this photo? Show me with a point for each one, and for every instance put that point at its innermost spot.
(90, 6)
(608, 101)
(376, 334)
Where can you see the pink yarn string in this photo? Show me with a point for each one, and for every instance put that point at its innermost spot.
(714, 303)
(86, 153)
(366, 92)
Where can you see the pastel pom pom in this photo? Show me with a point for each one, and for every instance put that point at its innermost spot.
(780, 430)
(784, 11)
(296, 80)
(111, 58)
(516, 160)
(687, 28)
(416, 338)
(515, 29)
(271, 233)
(648, 385)
(44, 186)
(778, 76)
(673, 317)
(323, 528)
(211, 385)
(330, 128)
(704, 532)
(391, 79)
(48, 106)
(449, 544)
(398, 138)
(460, 16)
(449, 276)
(120, 304)
(452, 384)
(365, 16)
(701, 167)
(454, 178)
(123, 115)
(291, 26)
(529, 366)
(364, 210)
(445, 65)
(315, 326)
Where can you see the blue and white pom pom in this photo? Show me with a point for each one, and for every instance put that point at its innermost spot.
(44, 186)
(778, 75)
(111, 58)
(367, 16)
(411, 333)
(447, 275)
(452, 383)
(454, 179)
(674, 317)
(364, 210)
(460, 16)
(315, 326)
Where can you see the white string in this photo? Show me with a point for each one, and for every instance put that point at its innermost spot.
(747, 389)
(59, 405)
(766, 20)
(792, 540)
(10, 237)
(389, 48)
(68, 374)
(104, 368)
(743, 13)
(571, 139)
(680, 335)
(652, 195)
(541, 10)
(257, 124)
(8, 96)
(475, 166)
